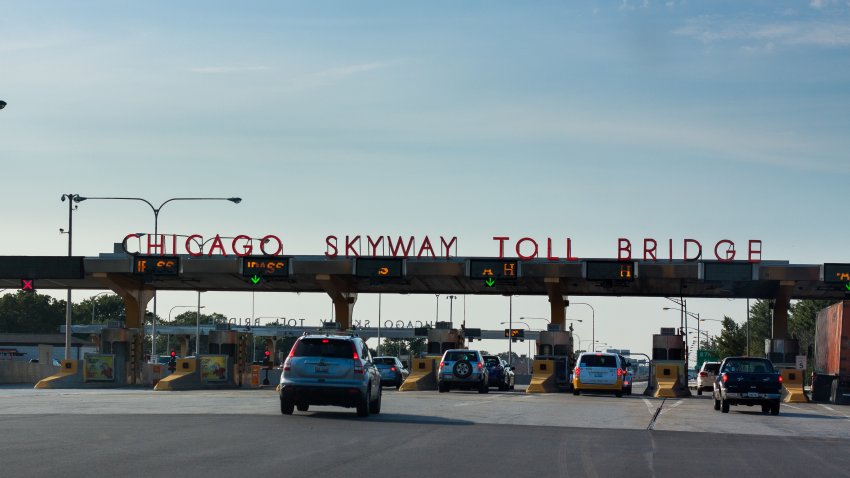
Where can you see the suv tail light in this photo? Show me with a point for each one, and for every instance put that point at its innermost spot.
(703, 374)
(442, 364)
(287, 364)
(620, 372)
(577, 371)
(392, 369)
(480, 366)
(358, 367)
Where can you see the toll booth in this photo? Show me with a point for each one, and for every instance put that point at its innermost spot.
(782, 352)
(234, 345)
(119, 360)
(668, 376)
(555, 345)
(442, 338)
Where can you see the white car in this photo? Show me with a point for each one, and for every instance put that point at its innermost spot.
(705, 378)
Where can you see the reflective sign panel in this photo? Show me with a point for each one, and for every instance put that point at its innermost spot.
(380, 267)
(41, 267)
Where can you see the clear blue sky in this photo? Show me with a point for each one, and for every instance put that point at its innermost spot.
(593, 120)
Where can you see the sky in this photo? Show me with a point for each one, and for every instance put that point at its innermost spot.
(589, 120)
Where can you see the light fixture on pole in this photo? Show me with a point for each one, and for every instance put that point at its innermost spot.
(528, 340)
(451, 298)
(78, 198)
(94, 304)
(592, 316)
(72, 198)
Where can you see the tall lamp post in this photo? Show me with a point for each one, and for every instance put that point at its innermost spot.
(72, 198)
(94, 304)
(451, 298)
(593, 320)
(234, 200)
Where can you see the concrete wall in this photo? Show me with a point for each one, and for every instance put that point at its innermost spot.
(25, 372)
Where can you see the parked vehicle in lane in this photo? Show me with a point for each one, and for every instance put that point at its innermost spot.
(393, 373)
(747, 381)
(706, 376)
(501, 374)
(462, 369)
(598, 372)
(330, 370)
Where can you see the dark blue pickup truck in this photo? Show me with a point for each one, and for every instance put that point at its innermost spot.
(747, 381)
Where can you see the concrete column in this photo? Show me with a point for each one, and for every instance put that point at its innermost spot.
(558, 311)
(342, 295)
(781, 304)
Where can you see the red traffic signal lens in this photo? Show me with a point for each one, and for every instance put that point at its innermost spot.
(268, 353)
(173, 354)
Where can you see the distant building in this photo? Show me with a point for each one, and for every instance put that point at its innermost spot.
(26, 347)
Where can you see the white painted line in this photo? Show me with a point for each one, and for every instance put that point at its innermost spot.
(827, 407)
(649, 406)
(791, 406)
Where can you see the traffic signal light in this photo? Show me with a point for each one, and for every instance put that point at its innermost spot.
(172, 362)
(267, 359)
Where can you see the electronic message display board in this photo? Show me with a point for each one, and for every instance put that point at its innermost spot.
(836, 273)
(156, 265)
(493, 269)
(515, 333)
(265, 267)
(609, 270)
(727, 271)
(379, 267)
(41, 267)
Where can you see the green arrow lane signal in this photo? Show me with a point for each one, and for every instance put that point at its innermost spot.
(847, 285)
(255, 279)
(490, 282)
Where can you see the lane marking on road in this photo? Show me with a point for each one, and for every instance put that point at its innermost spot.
(649, 406)
(678, 402)
(791, 406)
(651, 425)
(827, 407)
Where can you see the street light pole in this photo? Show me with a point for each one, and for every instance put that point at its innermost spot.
(94, 305)
(72, 198)
(156, 210)
(451, 299)
(593, 317)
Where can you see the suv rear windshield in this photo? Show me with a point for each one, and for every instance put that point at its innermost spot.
(492, 360)
(748, 366)
(711, 367)
(461, 355)
(599, 361)
(385, 360)
(324, 348)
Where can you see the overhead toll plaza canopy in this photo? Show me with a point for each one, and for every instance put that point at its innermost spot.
(474, 275)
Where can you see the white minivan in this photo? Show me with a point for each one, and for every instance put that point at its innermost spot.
(599, 372)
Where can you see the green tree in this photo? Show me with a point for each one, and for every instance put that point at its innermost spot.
(802, 319)
(761, 325)
(732, 339)
(31, 313)
(106, 308)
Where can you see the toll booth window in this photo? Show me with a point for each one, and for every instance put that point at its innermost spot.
(675, 354)
(323, 348)
(561, 350)
(599, 361)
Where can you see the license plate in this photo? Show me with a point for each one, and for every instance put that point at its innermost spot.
(321, 369)
(752, 395)
(597, 375)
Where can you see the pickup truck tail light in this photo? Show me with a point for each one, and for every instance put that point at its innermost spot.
(780, 379)
(725, 378)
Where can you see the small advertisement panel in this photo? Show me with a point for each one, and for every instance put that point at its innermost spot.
(214, 368)
(99, 368)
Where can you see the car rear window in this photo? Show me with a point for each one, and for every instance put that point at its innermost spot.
(712, 367)
(599, 361)
(492, 361)
(460, 355)
(324, 348)
(385, 360)
(749, 366)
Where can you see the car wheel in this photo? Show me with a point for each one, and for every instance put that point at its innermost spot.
(724, 406)
(619, 394)
(716, 404)
(765, 408)
(699, 390)
(512, 386)
(462, 369)
(363, 405)
(774, 408)
(484, 387)
(302, 407)
(375, 407)
(398, 383)
(575, 391)
(286, 407)
(503, 387)
(629, 391)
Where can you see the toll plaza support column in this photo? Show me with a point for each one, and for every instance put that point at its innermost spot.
(342, 296)
(136, 297)
(781, 304)
(557, 303)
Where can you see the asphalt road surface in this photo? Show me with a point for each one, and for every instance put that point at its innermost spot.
(135, 432)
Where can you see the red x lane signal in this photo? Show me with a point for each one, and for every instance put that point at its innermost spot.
(28, 285)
